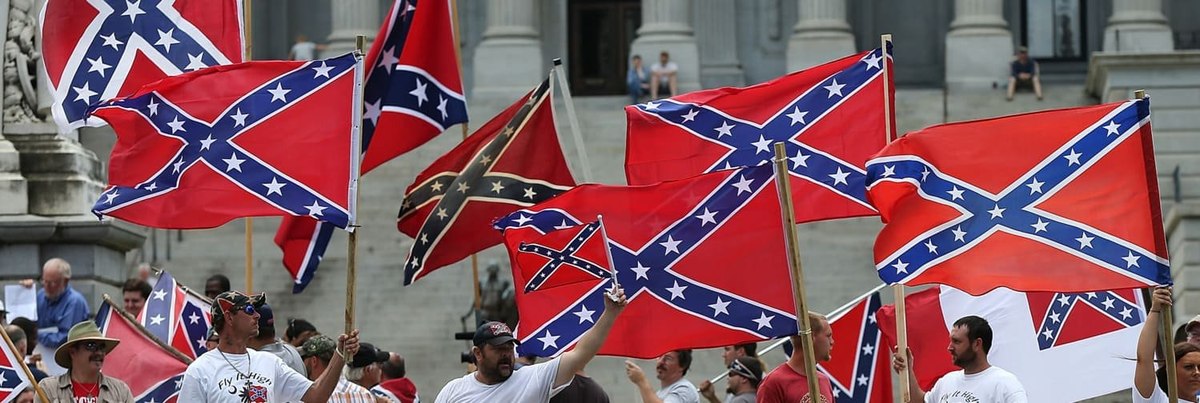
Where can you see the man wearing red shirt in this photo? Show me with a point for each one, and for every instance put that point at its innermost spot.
(788, 383)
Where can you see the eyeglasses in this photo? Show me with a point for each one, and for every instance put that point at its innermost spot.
(247, 309)
(736, 368)
(92, 346)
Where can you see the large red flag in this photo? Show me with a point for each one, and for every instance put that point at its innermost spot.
(412, 92)
(1063, 200)
(513, 161)
(200, 149)
(831, 117)
(94, 51)
(670, 246)
(152, 373)
(1041, 337)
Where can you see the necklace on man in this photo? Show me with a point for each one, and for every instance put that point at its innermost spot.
(89, 392)
(245, 375)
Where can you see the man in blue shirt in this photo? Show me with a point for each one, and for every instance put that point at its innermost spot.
(59, 306)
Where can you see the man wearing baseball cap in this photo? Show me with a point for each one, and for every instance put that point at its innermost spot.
(266, 340)
(234, 373)
(363, 369)
(82, 354)
(494, 350)
(318, 352)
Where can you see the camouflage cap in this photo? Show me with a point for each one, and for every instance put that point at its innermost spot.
(230, 300)
(321, 346)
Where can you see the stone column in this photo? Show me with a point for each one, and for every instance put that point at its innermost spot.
(979, 46)
(14, 198)
(508, 61)
(350, 19)
(1138, 26)
(719, 66)
(63, 177)
(666, 26)
(821, 34)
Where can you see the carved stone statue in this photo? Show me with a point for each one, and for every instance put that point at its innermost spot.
(20, 64)
(498, 300)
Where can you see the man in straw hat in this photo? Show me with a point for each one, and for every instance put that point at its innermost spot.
(83, 355)
(234, 373)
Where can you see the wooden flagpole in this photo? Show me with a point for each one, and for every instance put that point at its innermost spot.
(1168, 323)
(28, 375)
(360, 43)
(784, 184)
(897, 289)
(142, 329)
(247, 47)
(466, 131)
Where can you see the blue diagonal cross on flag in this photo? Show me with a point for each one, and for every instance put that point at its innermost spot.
(664, 266)
(1079, 199)
(101, 49)
(236, 143)
(830, 117)
(568, 256)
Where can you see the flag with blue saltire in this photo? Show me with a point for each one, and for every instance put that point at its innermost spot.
(176, 316)
(154, 374)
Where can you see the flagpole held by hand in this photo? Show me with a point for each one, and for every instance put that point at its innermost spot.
(898, 289)
(1168, 322)
(608, 254)
(355, 174)
(784, 185)
(246, 56)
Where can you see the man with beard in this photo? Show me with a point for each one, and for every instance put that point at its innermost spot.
(494, 350)
(789, 381)
(745, 373)
(234, 373)
(978, 381)
(730, 354)
(82, 354)
(670, 369)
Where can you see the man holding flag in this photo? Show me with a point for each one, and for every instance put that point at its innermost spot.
(234, 373)
(978, 381)
(495, 350)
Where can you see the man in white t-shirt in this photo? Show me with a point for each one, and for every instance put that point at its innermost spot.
(233, 373)
(978, 381)
(662, 76)
(495, 353)
(670, 369)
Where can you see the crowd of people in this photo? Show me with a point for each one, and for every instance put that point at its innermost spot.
(247, 360)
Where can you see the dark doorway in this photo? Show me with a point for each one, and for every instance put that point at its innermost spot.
(599, 34)
(1055, 30)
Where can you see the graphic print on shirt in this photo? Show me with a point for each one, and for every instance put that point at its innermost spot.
(251, 388)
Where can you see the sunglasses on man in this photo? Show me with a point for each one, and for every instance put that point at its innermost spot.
(736, 368)
(248, 309)
(92, 346)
